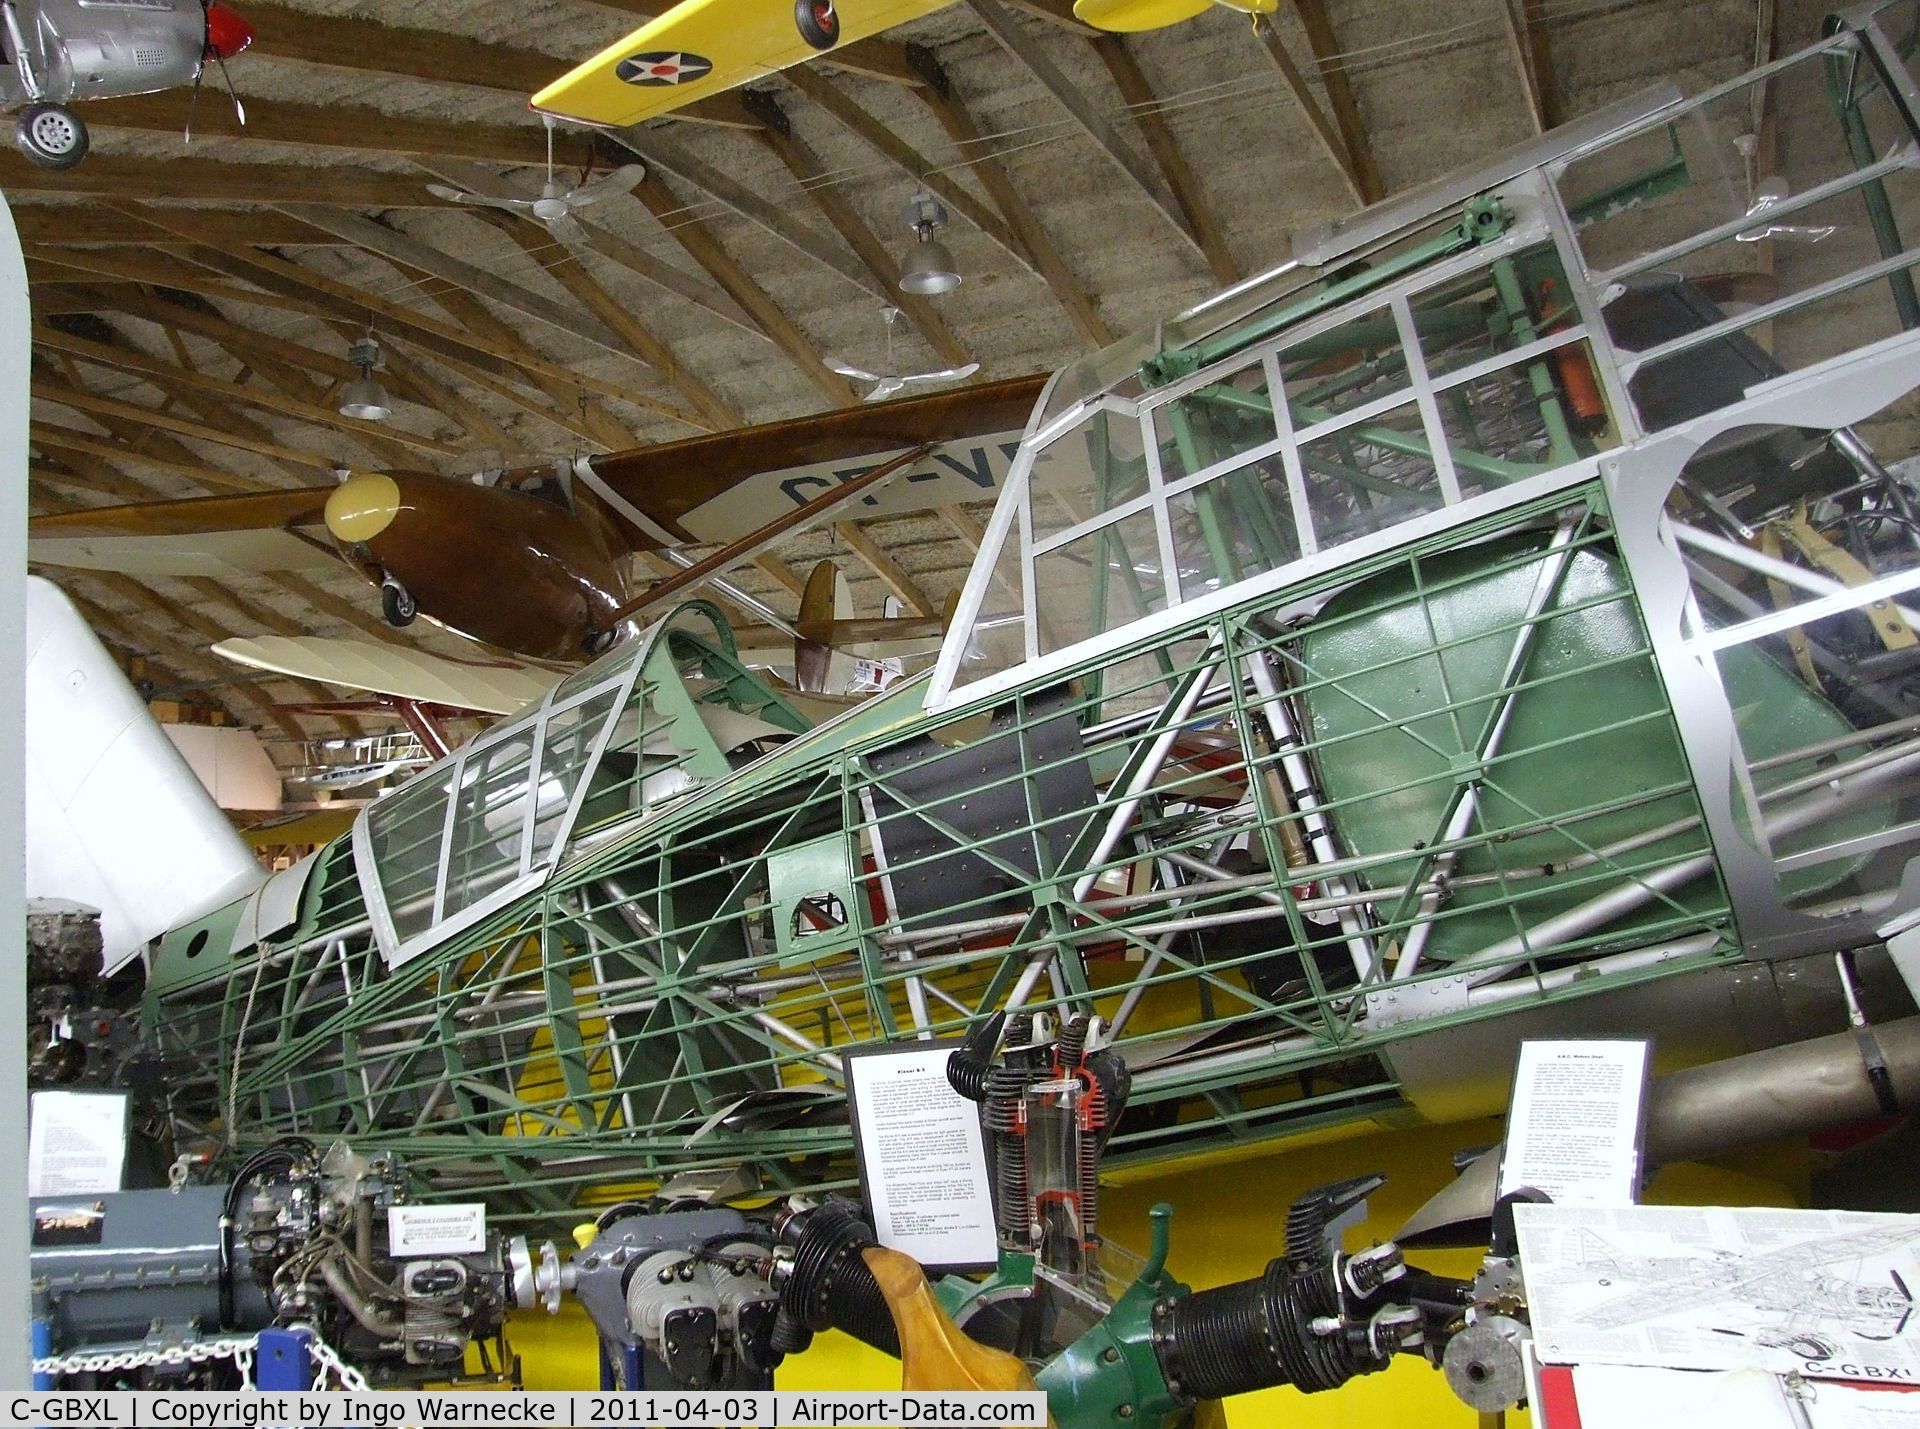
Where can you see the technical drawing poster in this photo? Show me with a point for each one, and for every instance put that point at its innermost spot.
(1820, 1293)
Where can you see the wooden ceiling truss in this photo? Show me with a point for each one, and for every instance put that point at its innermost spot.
(162, 321)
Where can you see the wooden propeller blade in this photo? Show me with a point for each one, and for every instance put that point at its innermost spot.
(192, 516)
(935, 1353)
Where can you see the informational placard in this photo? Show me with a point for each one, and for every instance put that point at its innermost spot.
(1637, 1397)
(452, 1228)
(1633, 1397)
(1819, 1294)
(76, 1143)
(922, 1155)
(1574, 1127)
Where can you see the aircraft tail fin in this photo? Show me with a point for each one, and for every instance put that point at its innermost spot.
(115, 818)
(819, 665)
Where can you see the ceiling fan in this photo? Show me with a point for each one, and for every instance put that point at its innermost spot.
(885, 384)
(554, 207)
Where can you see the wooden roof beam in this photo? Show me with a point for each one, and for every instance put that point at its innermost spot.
(83, 401)
(138, 441)
(1528, 43)
(693, 235)
(501, 352)
(104, 266)
(51, 436)
(353, 129)
(100, 477)
(72, 226)
(38, 475)
(959, 123)
(566, 270)
(61, 299)
(805, 166)
(196, 181)
(403, 371)
(241, 342)
(570, 404)
(125, 358)
(389, 443)
(213, 400)
(365, 46)
(616, 249)
(664, 156)
(411, 252)
(1323, 128)
(889, 571)
(287, 380)
(1346, 110)
(903, 156)
(1143, 105)
(1002, 26)
(781, 574)
(970, 531)
(194, 279)
(1057, 13)
(219, 415)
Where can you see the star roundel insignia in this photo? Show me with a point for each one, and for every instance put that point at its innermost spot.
(663, 67)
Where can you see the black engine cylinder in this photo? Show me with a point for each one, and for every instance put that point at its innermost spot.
(1255, 1334)
(829, 1285)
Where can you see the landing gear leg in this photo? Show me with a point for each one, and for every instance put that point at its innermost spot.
(51, 135)
(397, 604)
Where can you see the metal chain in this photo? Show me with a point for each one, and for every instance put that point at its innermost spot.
(240, 1351)
(329, 1361)
(199, 1351)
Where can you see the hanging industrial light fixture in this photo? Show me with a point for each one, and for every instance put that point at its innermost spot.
(929, 267)
(364, 397)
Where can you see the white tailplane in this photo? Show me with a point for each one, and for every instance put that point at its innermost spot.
(115, 818)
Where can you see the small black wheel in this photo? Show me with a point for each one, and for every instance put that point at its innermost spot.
(51, 135)
(819, 23)
(598, 642)
(398, 605)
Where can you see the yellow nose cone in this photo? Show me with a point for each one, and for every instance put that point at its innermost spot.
(362, 506)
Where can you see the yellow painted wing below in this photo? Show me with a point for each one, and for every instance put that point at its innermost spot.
(701, 47)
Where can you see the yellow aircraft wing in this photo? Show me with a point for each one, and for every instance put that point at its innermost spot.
(701, 47)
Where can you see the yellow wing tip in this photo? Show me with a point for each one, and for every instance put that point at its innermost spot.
(561, 99)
